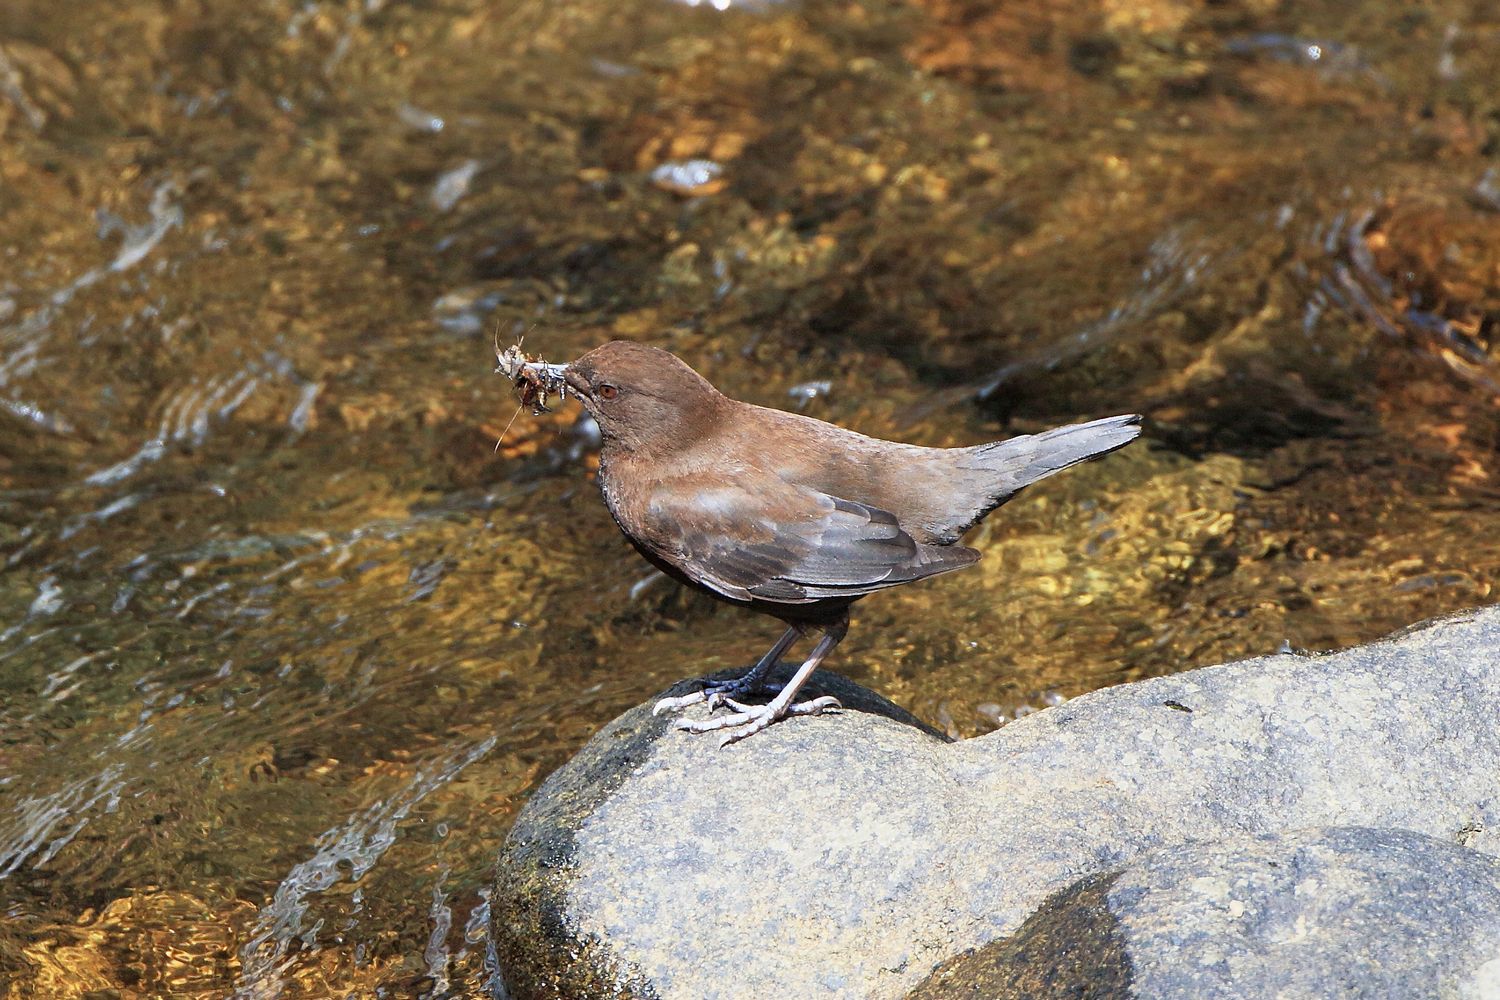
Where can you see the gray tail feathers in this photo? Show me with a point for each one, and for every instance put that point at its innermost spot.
(1001, 469)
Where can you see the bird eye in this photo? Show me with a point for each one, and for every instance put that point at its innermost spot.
(607, 391)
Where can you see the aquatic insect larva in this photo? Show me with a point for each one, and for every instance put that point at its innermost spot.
(533, 378)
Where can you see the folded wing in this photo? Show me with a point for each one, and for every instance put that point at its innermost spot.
(790, 544)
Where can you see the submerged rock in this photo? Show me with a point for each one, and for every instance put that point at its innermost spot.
(851, 855)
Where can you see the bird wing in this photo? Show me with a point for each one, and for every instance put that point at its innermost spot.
(789, 544)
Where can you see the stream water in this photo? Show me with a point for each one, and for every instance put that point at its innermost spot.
(286, 640)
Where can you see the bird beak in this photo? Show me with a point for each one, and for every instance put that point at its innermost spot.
(574, 380)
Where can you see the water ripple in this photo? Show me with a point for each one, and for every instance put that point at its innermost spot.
(36, 820)
(354, 847)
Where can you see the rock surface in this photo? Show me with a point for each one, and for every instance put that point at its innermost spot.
(850, 855)
(1340, 912)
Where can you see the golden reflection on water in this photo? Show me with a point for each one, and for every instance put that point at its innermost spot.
(285, 641)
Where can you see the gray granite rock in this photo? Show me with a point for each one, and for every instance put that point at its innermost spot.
(849, 855)
(1337, 912)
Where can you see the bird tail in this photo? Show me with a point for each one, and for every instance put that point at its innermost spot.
(1001, 469)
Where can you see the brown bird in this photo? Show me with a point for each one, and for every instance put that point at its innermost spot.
(784, 514)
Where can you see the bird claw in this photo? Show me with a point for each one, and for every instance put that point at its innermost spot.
(728, 694)
(715, 693)
(682, 701)
(750, 719)
(746, 720)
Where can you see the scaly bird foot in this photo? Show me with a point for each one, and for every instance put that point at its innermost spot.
(716, 693)
(750, 719)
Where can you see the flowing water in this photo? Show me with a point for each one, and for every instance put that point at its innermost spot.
(286, 641)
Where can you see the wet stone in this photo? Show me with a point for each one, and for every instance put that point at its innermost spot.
(862, 853)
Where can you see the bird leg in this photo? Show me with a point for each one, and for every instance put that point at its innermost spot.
(718, 692)
(750, 719)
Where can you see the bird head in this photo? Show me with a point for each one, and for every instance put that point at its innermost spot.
(644, 398)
